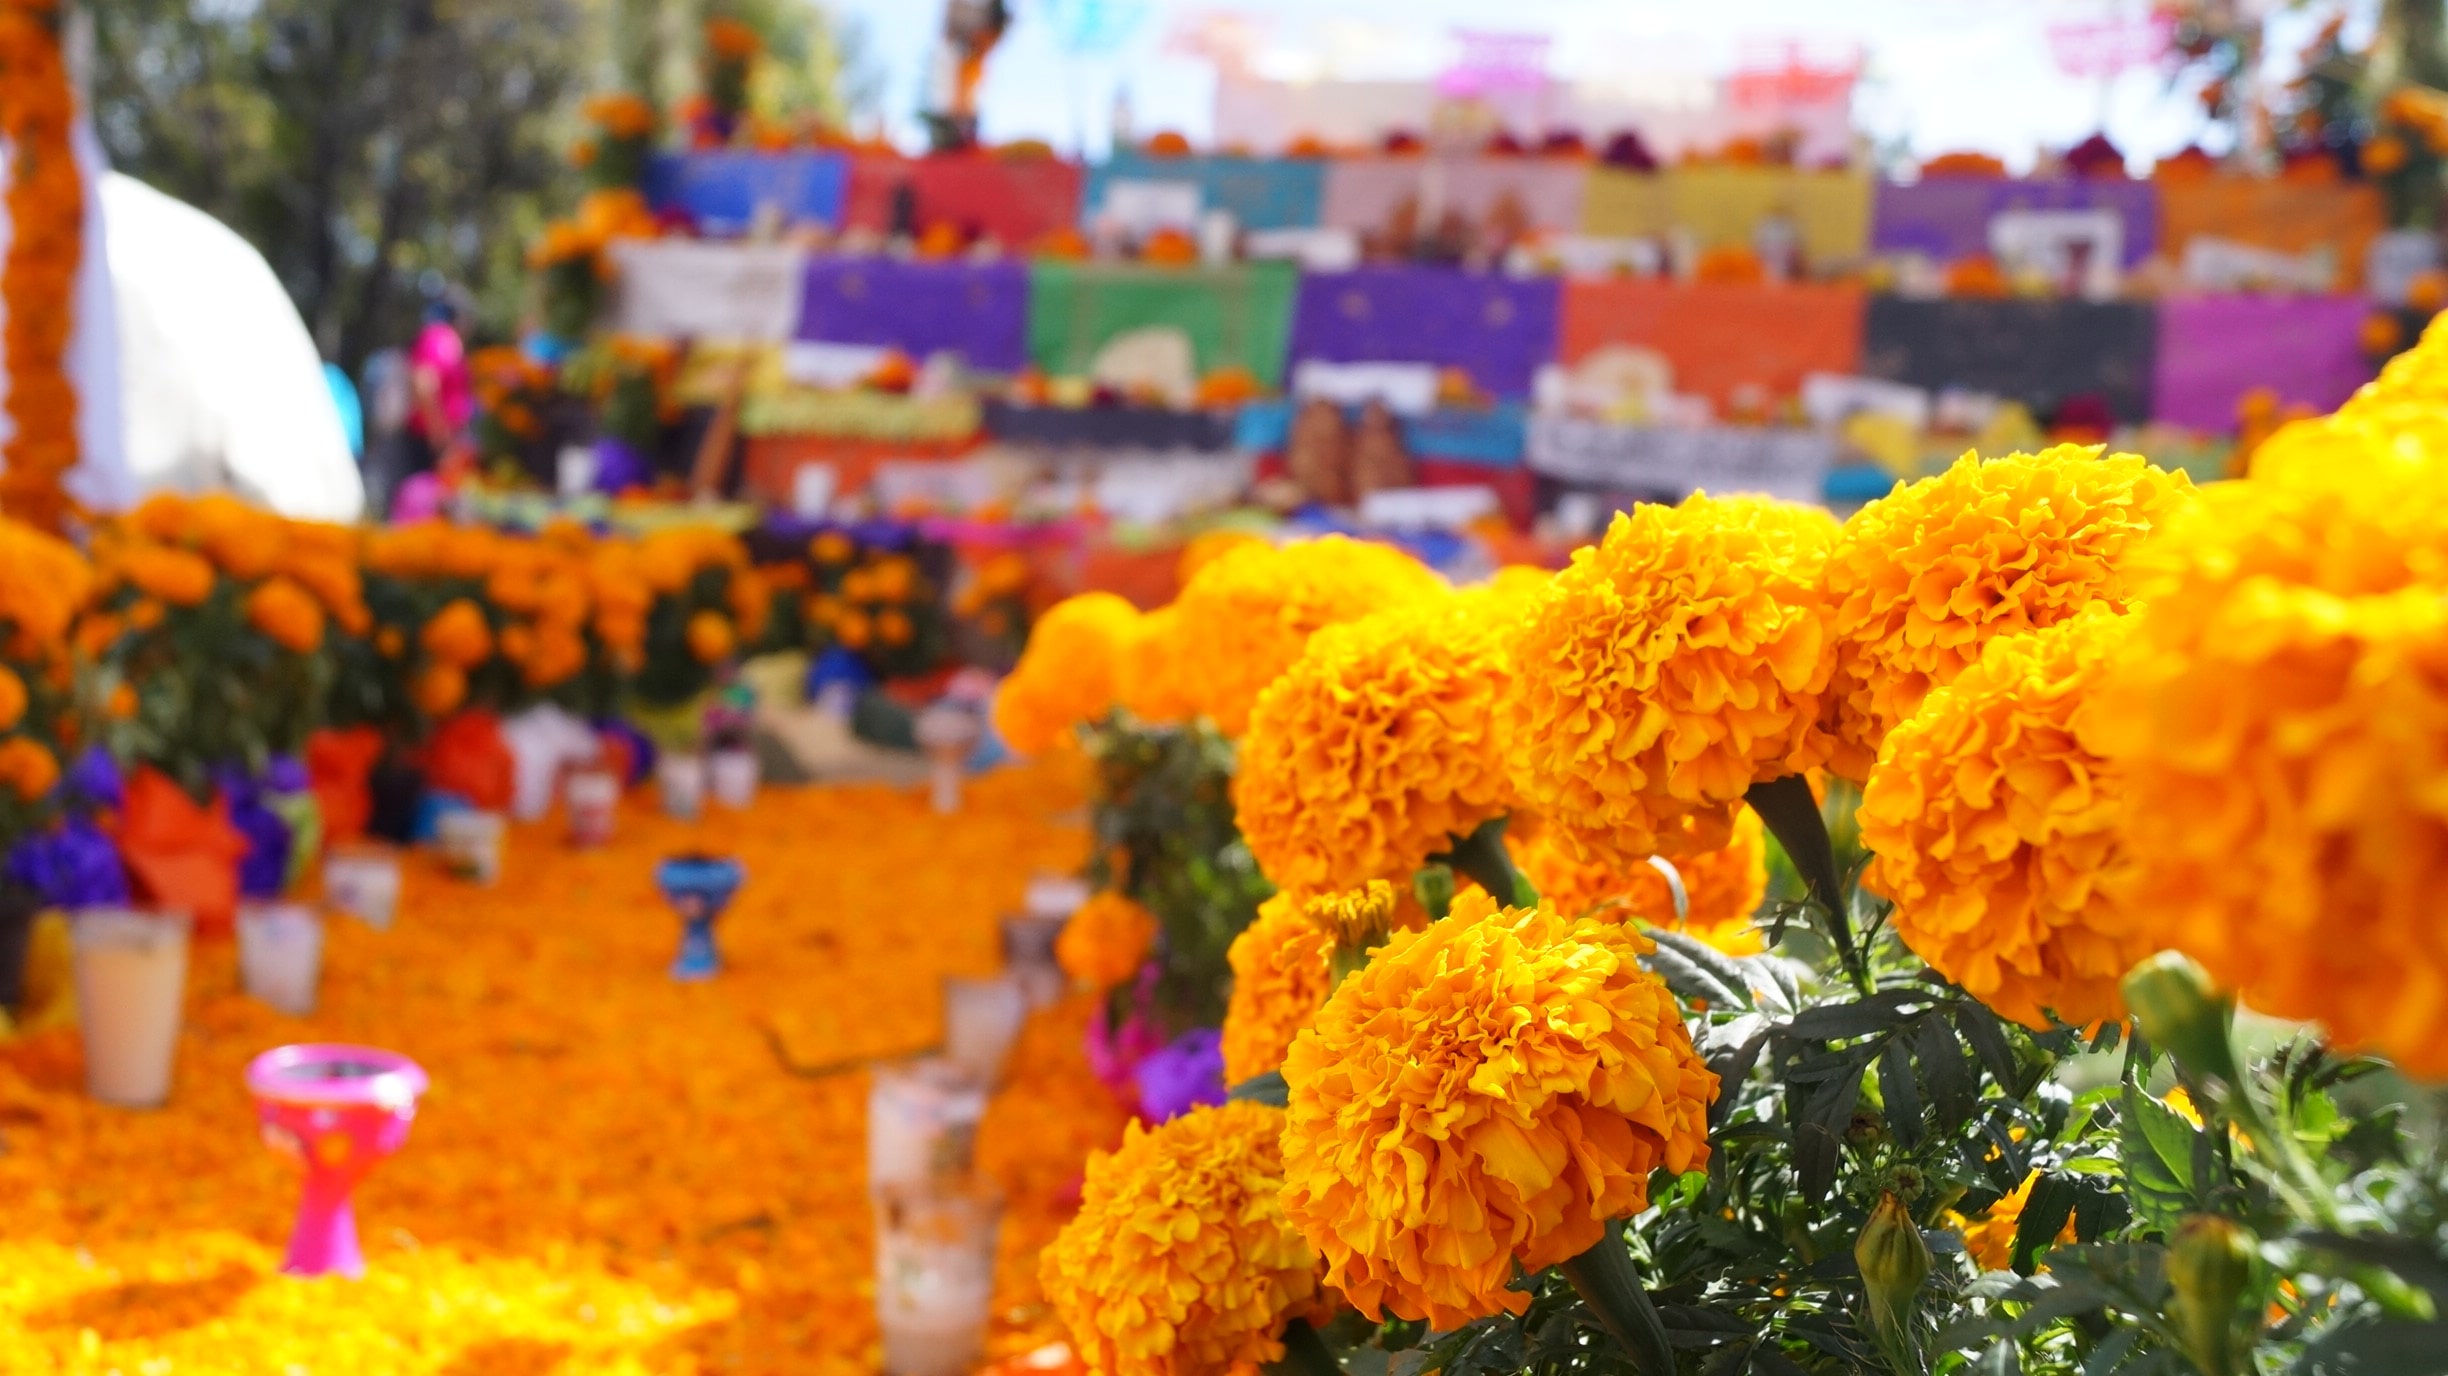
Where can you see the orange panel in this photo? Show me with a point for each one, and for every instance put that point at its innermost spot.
(1720, 337)
(2290, 217)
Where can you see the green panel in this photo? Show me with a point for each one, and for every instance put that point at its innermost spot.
(1235, 316)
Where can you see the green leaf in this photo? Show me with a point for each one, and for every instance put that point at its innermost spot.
(1719, 966)
(1953, 1089)
(1901, 1097)
(2045, 1214)
(1825, 1116)
(2377, 1349)
(1875, 1013)
(1689, 981)
(1608, 1283)
(1987, 1038)
(2157, 1147)
(1305, 1354)
(1268, 1088)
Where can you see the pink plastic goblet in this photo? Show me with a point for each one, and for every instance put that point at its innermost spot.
(337, 1109)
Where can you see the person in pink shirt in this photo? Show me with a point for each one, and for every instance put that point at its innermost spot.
(442, 394)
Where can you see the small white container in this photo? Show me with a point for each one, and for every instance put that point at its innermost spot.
(922, 1121)
(363, 880)
(733, 777)
(946, 734)
(982, 1019)
(280, 955)
(1028, 957)
(131, 982)
(935, 1261)
(472, 844)
(592, 798)
(680, 779)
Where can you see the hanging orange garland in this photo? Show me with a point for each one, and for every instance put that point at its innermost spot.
(46, 217)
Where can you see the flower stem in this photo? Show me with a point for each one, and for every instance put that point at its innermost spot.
(1792, 815)
(1305, 1353)
(1482, 857)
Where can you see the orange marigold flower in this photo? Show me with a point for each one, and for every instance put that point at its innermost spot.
(287, 614)
(1252, 611)
(1281, 967)
(558, 656)
(458, 635)
(1722, 888)
(1672, 666)
(710, 638)
(12, 699)
(1069, 672)
(2274, 710)
(1989, 1239)
(28, 768)
(1376, 748)
(1179, 1262)
(893, 627)
(1485, 1094)
(1994, 829)
(175, 576)
(1151, 678)
(122, 704)
(732, 40)
(1923, 577)
(1106, 941)
(438, 690)
(853, 629)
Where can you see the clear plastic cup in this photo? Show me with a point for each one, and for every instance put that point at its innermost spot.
(280, 955)
(935, 1262)
(131, 982)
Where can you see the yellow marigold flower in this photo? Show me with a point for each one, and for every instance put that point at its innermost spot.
(1248, 614)
(1923, 577)
(1280, 966)
(1179, 1262)
(287, 615)
(2275, 712)
(1989, 1239)
(1486, 1092)
(1672, 666)
(1106, 941)
(12, 699)
(1149, 679)
(1722, 888)
(1208, 546)
(1068, 673)
(1994, 827)
(1376, 749)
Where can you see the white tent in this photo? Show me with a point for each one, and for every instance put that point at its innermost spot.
(220, 384)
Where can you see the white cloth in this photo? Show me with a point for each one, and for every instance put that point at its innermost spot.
(221, 385)
(1791, 464)
(693, 289)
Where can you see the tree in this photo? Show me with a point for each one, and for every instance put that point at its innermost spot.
(371, 152)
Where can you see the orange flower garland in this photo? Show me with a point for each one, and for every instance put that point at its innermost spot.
(46, 216)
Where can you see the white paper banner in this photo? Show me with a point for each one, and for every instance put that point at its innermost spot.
(688, 289)
(1407, 389)
(1791, 464)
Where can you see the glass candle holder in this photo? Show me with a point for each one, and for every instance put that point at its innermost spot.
(471, 844)
(698, 887)
(935, 1262)
(982, 1019)
(680, 781)
(591, 799)
(922, 1121)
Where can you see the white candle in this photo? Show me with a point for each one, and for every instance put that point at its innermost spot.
(982, 1019)
(472, 844)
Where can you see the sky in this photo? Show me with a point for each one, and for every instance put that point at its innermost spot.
(1941, 76)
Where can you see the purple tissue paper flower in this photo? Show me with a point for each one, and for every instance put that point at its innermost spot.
(266, 867)
(94, 778)
(286, 774)
(1182, 1076)
(71, 866)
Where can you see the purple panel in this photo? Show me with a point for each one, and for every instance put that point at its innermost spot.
(979, 310)
(1949, 218)
(1499, 329)
(2214, 349)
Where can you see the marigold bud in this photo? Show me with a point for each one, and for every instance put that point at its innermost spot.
(1894, 1260)
(2210, 1263)
(2177, 1007)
